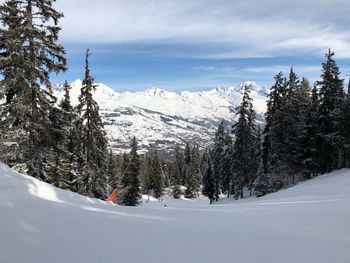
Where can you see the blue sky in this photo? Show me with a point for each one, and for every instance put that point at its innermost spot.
(198, 45)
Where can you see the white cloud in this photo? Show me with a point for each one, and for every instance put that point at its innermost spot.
(248, 28)
(285, 69)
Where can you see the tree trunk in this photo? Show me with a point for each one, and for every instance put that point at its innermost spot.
(347, 160)
(340, 158)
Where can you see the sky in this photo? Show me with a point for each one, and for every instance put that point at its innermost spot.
(201, 44)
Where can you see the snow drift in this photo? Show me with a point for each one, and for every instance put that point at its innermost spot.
(306, 223)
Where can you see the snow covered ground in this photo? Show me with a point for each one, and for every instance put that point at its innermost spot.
(306, 223)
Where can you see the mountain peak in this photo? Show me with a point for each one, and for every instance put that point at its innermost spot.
(252, 86)
(225, 89)
(155, 92)
(77, 82)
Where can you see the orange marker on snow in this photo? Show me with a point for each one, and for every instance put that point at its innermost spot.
(113, 196)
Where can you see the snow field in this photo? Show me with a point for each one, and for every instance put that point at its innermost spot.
(309, 222)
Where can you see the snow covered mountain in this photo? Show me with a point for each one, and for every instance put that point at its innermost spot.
(307, 223)
(162, 119)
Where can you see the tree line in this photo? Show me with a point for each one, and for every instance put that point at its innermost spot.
(306, 133)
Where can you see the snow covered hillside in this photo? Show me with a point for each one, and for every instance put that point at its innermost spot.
(309, 223)
(161, 119)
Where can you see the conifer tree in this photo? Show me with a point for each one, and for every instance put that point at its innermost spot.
(310, 139)
(59, 168)
(145, 176)
(290, 121)
(92, 142)
(131, 179)
(188, 160)
(275, 146)
(209, 182)
(177, 183)
(157, 176)
(227, 182)
(256, 161)
(12, 59)
(294, 111)
(181, 164)
(71, 118)
(270, 132)
(245, 136)
(29, 53)
(65, 103)
(193, 179)
(204, 161)
(218, 157)
(330, 115)
(112, 174)
(261, 183)
(61, 157)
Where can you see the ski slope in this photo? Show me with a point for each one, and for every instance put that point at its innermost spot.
(306, 223)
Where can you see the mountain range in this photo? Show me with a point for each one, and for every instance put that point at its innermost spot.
(161, 119)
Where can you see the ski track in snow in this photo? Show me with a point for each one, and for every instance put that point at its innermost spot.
(309, 223)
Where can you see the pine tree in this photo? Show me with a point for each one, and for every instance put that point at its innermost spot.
(157, 176)
(92, 142)
(193, 179)
(204, 161)
(12, 53)
(181, 164)
(12, 115)
(166, 173)
(291, 121)
(112, 174)
(131, 179)
(276, 146)
(29, 53)
(71, 118)
(283, 132)
(218, 155)
(271, 132)
(330, 115)
(256, 161)
(145, 176)
(177, 183)
(187, 159)
(245, 132)
(310, 140)
(44, 56)
(59, 168)
(209, 182)
(65, 103)
(261, 183)
(227, 183)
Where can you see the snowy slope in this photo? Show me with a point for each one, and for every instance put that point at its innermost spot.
(309, 223)
(161, 119)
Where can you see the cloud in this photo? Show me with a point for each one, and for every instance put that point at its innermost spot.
(285, 69)
(230, 29)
